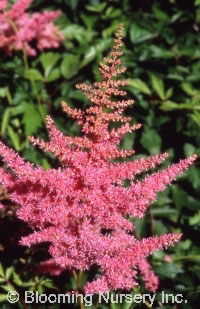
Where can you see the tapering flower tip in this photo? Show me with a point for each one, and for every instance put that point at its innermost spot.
(183, 164)
(121, 27)
(49, 121)
(150, 279)
(170, 239)
(136, 126)
(119, 31)
(148, 245)
(73, 112)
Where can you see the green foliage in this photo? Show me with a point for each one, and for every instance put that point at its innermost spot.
(10, 281)
(151, 141)
(163, 64)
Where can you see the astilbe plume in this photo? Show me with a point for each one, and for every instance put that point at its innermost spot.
(18, 28)
(82, 209)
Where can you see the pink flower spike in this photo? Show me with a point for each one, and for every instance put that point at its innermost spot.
(19, 29)
(150, 279)
(83, 209)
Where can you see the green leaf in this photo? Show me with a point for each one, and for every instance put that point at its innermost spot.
(194, 220)
(9, 272)
(158, 52)
(158, 86)
(140, 85)
(189, 149)
(169, 106)
(169, 93)
(158, 255)
(5, 120)
(8, 95)
(3, 297)
(163, 198)
(159, 227)
(31, 119)
(7, 288)
(194, 77)
(49, 284)
(127, 305)
(92, 51)
(176, 16)
(151, 141)
(40, 289)
(114, 306)
(33, 74)
(70, 65)
(175, 76)
(79, 33)
(89, 56)
(2, 280)
(187, 87)
(193, 258)
(128, 141)
(14, 138)
(48, 61)
(168, 270)
(89, 21)
(29, 284)
(45, 164)
(112, 13)
(197, 2)
(179, 196)
(164, 211)
(96, 8)
(138, 34)
(3, 93)
(160, 15)
(17, 280)
(54, 74)
(194, 176)
(196, 117)
(73, 4)
(195, 101)
(42, 110)
(1, 271)
(185, 244)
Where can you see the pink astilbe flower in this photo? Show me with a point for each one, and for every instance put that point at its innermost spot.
(18, 28)
(82, 209)
(150, 279)
(49, 267)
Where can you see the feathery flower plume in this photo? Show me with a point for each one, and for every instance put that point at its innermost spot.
(82, 209)
(18, 28)
(150, 279)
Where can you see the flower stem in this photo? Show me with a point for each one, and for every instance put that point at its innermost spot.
(78, 279)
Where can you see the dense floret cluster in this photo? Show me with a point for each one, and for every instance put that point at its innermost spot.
(19, 29)
(82, 209)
